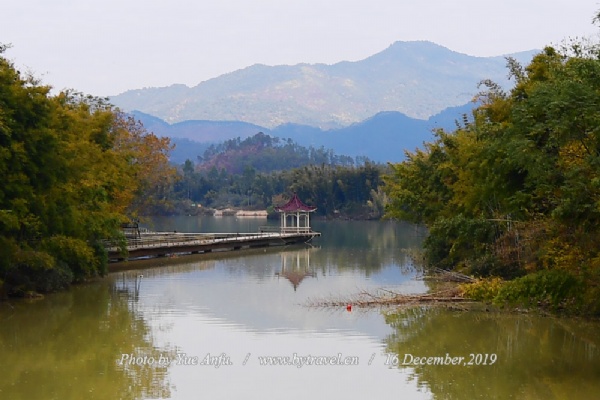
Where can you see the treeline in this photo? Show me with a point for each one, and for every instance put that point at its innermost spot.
(262, 171)
(266, 154)
(343, 191)
(73, 170)
(514, 194)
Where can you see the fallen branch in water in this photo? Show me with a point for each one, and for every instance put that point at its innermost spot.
(390, 298)
(448, 276)
(448, 294)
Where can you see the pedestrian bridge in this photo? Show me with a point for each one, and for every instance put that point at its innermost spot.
(161, 244)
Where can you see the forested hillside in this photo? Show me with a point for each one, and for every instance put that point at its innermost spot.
(260, 171)
(267, 154)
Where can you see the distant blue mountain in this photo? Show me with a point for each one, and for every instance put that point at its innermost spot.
(198, 130)
(383, 137)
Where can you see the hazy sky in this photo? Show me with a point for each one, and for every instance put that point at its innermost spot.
(107, 47)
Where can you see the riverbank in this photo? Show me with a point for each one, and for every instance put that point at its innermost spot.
(456, 291)
(180, 208)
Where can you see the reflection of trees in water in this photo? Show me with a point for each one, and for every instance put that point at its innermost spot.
(155, 267)
(366, 245)
(538, 358)
(68, 345)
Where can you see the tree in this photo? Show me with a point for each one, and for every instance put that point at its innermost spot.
(516, 190)
(74, 169)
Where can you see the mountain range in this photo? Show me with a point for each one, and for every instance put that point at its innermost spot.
(383, 137)
(417, 79)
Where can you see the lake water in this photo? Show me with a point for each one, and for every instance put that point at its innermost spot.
(239, 325)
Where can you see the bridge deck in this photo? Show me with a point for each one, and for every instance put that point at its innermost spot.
(160, 244)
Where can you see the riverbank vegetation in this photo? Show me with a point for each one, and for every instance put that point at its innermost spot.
(73, 170)
(512, 196)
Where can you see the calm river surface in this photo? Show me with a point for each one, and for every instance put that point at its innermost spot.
(146, 333)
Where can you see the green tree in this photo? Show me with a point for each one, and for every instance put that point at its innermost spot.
(516, 189)
(74, 168)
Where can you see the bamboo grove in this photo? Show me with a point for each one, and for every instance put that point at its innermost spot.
(73, 170)
(513, 194)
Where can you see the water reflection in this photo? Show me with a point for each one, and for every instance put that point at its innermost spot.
(68, 346)
(295, 266)
(363, 246)
(537, 358)
(259, 289)
(251, 303)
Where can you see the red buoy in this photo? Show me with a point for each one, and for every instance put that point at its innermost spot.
(349, 307)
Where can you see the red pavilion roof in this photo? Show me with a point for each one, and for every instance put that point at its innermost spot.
(295, 204)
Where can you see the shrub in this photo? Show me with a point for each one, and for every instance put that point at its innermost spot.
(555, 289)
(75, 253)
(460, 240)
(38, 271)
(483, 289)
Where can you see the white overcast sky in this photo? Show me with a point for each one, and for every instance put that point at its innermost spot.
(110, 46)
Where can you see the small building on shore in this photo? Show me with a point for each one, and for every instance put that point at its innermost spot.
(295, 216)
(252, 213)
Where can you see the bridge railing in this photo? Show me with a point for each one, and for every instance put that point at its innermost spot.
(170, 239)
(174, 239)
(287, 229)
(296, 229)
(268, 229)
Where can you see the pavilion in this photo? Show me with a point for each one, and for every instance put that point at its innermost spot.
(295, 216)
